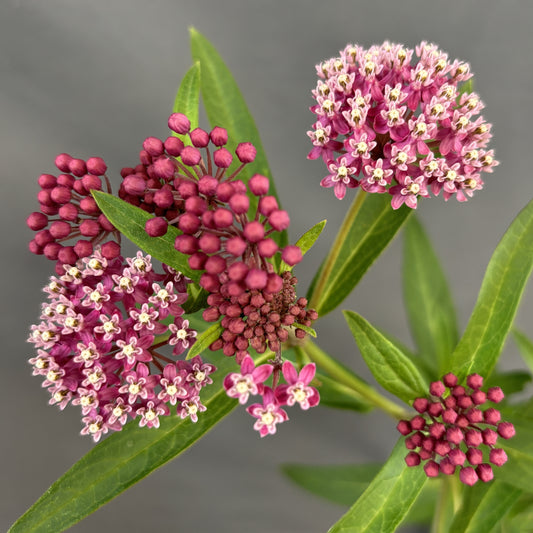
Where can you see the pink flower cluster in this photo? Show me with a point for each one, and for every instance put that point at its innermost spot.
(98, 338)
(451, 427)
(188, 186)
(388, 125)
(251, 381)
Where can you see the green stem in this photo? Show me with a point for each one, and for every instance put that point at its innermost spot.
(336, 248)
(447, 505)
(352, 381)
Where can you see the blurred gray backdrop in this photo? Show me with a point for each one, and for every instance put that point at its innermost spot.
(96, 78)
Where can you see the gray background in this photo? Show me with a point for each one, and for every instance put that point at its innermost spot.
(96, 78)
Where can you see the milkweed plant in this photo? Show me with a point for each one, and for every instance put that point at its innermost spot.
(208, 316)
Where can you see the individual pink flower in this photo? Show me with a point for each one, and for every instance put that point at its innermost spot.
(268, 414)
(297, 389)
(249, 381)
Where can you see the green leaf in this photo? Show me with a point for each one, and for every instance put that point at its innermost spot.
(121, 460)
(307, 241)
(368, 228)
(525, 346)
(510, 382)
(388, 498)
(307, 329)
(484, 506)
(187, 99)
(196, 300)
(520, 516)
(500, 294)
(427, 298)
(391, 368)
(205, 339)
(225, 107)
(130, 221)
(338, 396)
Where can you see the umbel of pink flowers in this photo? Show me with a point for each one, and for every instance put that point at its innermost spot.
(391, 123)
(454, 430)
(97, 341)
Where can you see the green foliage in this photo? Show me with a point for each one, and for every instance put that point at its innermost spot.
(387, 500)
(370, 226)
(427, 299)
(391, 368)
(210, 335)
(500, 294)
(339, 396)
(130, 221)
(525, 345)
(188, 99)
(307, 241)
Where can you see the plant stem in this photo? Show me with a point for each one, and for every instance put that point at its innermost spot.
(335, 249)
(352, 381)
(447, 505)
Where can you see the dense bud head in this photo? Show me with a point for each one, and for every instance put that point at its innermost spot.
(179, 123)
(485, 473)
(246, 152)
(43, 237)
(435, 409)
(254, 231)
(474, 381)
(47, 181)
(421, 405)
(62, 162)
(473, 438)
(446, 467)
(225, 191)
(478, 397)
(209, 282)
(199, 138)
(222, 158)
(489, 436)
(267, 247)
(236, 246)
(37, 221)
(464, 402)
(458, 391)
(437, 430)
(173, 146)
(450, 380)
(215, 265)
(454, 435)
(223, 218)
(164, 168)
(239, 203)
(79, 188)
(60, 195)
(291, 254)
(267, 205)
(474, 456)
(468, 476)
(59, 229)
(89, 206)
(96, 166)
(279, 220)
(195, 205)
(497, 456)
(492, 416)
(207, 185)
(186, 244)
(437, 388)
(412, 459)
(418, 423)
(431, 468)
(211, 314)
(197, 261)
(66, 180)
(259, 185)
(83, 248)
(153, 146)
(91, 182)
(110, 250)
(404, 427)
(475, 416)
(237, 271)
(442, 447)
(77, 167)
(209, 243)
(105, 223)
(90, 228)
(190, 156)
(67, 255)
(506, 430)
(51, 250)
(457, 457)
(156, 227)
(189, 223)
(145, 158)
(274, 283)
(218, 136)
(164, 198)
(187, 189)
(256, 279)
(495, 394)
(134, 185)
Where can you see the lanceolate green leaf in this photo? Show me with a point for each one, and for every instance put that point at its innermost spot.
(121, 460)
(130, 221)
(225, 107)
(484, 505)
(307, 240)
(525, 345)
(427, 298)
(388, 498)
(368, 228)
(498, 300)
(187, 99)
(391, 368)
(203, 340)
(336, 395)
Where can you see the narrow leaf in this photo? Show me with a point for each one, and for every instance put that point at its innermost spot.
(130, 221)
(391, 368)
(500, 294)
(427, 298)
(307, 241)
(525, 346)
(338, 396)
(225, 107)
(307, 329)
(196, 300)
(484, 506)
(388, 498)
(187, 99)
(368, 228)
(121, 460)
(510, 382)
(204, 340)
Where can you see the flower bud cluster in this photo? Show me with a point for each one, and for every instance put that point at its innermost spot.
(97, 340)
(452, 430)
(251, 381)
(69, 213)
(391, 126)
